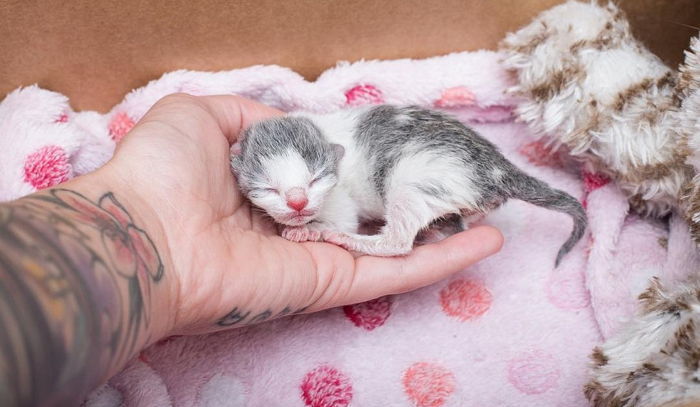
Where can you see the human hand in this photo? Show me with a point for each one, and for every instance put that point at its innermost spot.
(228, 266)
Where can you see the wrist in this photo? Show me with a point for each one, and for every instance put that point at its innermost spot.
(85, 270)
(139, 219)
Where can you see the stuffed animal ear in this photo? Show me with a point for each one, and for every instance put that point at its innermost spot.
(338, 151)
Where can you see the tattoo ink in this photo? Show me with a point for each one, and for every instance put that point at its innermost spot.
(75, 285)
(234, 317)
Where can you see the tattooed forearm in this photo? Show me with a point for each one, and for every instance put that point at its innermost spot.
(76, 277)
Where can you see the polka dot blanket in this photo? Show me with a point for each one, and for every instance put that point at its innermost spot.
(509, 331)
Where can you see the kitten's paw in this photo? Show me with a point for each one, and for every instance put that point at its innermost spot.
(337, 238)
(301, 234)
(371, 245)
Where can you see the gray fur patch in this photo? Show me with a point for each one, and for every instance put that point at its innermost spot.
(386, 132)
(430, 189)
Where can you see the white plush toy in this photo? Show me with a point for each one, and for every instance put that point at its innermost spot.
(595, 91)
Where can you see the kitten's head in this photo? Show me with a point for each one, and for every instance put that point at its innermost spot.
(286, 167)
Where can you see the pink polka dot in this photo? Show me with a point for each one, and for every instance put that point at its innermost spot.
(540, 154)
(363, 95)
(534, 373)
(459, 96)
(428, 384)
(592, 181)
(567, 290)
(370, 314)
(325, 386)
(46, 167)
(465, 300)
(62, 118)
(120, 125)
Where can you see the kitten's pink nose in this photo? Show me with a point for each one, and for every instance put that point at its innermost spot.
(297, 205)
(296, 199)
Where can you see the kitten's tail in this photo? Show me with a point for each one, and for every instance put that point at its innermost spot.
(538, 193)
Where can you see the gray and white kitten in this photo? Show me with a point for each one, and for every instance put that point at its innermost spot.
(321, 175)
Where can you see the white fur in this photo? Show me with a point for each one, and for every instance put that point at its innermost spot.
(409, 209)
(430, 168)
(582, 114)
(284, 174)
(690, 114)
(653, 360)
(689, 127)
(339, 127)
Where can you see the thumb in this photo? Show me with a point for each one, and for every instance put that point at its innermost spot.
(374, 277)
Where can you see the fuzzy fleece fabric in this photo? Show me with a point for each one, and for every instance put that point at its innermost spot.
(509, 331)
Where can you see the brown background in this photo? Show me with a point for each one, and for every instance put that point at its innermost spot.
(95, 51)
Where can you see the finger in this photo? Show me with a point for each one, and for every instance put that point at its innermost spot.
(378, 276)
(235, 113)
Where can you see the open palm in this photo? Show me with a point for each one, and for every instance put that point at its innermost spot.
(230, 267)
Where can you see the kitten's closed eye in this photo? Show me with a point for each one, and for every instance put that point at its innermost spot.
(315, 180)
(267, 190)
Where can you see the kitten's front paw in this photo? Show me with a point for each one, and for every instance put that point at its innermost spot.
(301, 234)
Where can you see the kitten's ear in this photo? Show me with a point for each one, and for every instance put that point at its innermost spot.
(236, 148)
(338, 151)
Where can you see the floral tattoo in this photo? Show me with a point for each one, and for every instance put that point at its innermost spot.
(76, 277)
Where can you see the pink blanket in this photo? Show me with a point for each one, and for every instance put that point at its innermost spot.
(510, 331)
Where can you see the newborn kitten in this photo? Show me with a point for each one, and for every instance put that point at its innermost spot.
(320, 175)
